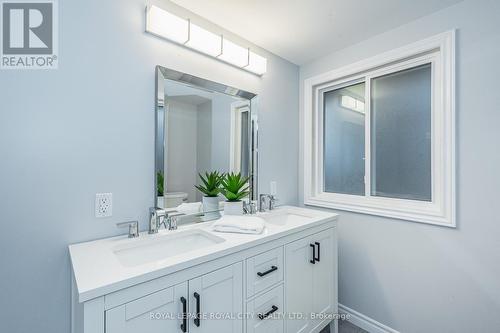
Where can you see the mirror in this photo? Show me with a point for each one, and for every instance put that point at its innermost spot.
(201, 126)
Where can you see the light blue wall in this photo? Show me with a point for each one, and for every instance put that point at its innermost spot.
(88, 127)
(422, 278)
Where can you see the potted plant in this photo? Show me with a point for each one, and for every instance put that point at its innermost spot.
(211, 187)
(160, 183)
(234, 188)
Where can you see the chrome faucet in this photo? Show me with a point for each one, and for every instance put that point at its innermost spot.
(159, 216)
(133, 228)
(171, 220)
(249, 207)
(262, 202)
(156, 218)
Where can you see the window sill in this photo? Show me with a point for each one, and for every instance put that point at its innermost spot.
(422, 212)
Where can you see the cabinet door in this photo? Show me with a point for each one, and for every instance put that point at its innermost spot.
(159, 312)
(324, 279)
(299, 285)
(216, 301)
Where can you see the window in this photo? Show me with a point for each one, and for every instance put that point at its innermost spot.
(379, 135)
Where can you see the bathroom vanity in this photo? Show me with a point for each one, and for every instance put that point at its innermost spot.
(196, 280)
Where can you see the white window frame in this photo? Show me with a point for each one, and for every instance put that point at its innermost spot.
(237, 108)
(438, 50)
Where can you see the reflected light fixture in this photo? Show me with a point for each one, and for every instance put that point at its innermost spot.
(164, 24)
(352, 103)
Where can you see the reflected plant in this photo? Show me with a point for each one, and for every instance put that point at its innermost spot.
(160, 183)
(211, 186)
(235, 187)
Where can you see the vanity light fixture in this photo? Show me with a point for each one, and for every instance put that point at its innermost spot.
(164, 24)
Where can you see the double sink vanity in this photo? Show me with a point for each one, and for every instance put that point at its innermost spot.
(196, 280)
(186, 277)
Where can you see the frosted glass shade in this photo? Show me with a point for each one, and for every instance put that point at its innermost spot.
(234, 54)
(164, 24)
(257, 64)
(204, 41)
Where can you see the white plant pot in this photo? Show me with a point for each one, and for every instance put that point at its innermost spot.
(233, 208)
(211, 205)
(160, 203)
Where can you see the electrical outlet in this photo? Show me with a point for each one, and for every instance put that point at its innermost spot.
(273, 187)
(103, 204)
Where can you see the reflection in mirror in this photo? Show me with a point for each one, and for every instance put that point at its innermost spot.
(204, 130)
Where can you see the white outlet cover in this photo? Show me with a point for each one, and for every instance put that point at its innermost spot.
(273, 187)
(104, 204)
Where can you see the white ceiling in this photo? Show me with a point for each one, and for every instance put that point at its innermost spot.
(189, 99)
(304, 30)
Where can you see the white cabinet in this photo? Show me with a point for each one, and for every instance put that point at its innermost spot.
(311, 281)
(299, 285)
(212, 300)
(216, 301)
(159, 312)
(270, 287)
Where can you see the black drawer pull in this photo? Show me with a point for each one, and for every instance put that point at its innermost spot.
(184, 315)
(198, 311)
(313, 260)
(319, 251)
(267, 314)
(273, 268)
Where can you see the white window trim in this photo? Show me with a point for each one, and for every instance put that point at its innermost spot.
(440, 51)
(237, 108)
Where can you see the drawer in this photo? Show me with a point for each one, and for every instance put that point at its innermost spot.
(265, 312)
(264, 270)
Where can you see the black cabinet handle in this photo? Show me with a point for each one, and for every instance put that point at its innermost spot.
(319, 251)
(272, 269)
(198, 311)
(263, 316)
(313, 260)
(184, 315)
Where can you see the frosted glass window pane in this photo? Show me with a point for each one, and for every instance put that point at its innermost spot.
(344, 140)
(401, 134)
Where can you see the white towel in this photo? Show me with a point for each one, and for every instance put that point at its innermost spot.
(189, 207)
(239, 224)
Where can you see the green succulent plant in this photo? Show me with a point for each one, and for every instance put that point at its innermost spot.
(211, 186)
(234, 186)
(160, 182)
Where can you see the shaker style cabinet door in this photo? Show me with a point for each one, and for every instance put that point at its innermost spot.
(324, 279)
(216, 301)
(159, 312)
(310, 281)
(299, 285)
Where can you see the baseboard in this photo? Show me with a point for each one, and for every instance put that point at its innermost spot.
(364, 322)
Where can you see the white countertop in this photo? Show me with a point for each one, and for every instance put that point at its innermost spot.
(98, 271)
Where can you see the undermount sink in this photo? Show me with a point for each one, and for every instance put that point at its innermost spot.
(159, 247)
(285, 218)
